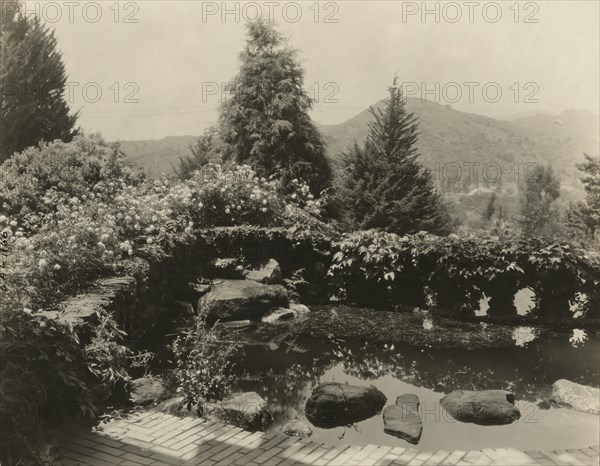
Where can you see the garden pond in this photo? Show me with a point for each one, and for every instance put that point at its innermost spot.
(401, 353)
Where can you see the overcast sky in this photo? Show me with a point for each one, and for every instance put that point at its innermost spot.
(350, 50)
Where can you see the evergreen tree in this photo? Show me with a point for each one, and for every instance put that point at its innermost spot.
(387, 187)
(32, 76)
(490, 209)
(266, 121)
(585, 216)
(209, 148)
(538, 193)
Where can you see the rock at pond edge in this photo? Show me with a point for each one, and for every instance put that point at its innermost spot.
(246, 410)
(576, 396)
(146, 390)
(242, 299)
(297, 428)
(483, 407)
(335, 404)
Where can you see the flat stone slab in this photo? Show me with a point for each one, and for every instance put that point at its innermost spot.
(101, 295)
(576, 396)
(269, 274)
(402, 419)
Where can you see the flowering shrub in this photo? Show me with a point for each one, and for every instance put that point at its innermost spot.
(88, 230)
(234, 197)
(34, 182)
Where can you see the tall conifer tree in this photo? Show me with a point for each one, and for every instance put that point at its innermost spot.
(33, 79)
(386, 185)
(266, 121)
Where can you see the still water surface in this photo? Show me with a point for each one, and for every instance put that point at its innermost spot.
(283, 364)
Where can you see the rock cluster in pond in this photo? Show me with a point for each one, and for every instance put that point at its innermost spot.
(177, 406)
(146, 390)
(297, 428)
(483, 407)
(403, 420)
(268, 274)
(576, 396)
(236, 324)
(246, 410)
(242, 299)
(278, 315)
(295, 312)
(335, 404)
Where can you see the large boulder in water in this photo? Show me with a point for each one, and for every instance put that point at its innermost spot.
(576, 396)
(246, 410)
(402, 419)
(242, 299)
(484, 407)
(335, 404)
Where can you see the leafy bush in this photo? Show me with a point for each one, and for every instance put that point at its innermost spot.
(40, 367)
(450, 266)
(374, 266)
(48, 376)
(203, 368)
(501, 274)
(556, 272)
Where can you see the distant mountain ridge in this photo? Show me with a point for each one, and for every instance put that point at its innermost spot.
(158, 156)
(448, 138)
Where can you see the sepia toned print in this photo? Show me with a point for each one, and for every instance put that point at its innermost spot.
(300, 232)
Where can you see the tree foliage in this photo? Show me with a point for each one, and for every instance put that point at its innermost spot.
(538, 193)
(266, 121)
(386, 186)
(209, 148)
(33, 79)
(585, 216)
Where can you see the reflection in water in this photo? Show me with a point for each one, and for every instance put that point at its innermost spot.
(484, 305)
(579, 337)
(524, 335)
(537, 358)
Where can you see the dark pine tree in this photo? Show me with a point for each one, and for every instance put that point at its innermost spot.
(585, 216)
(538, 192)
(32, 76)
(209, 148)
(266, 121)
(386, 186)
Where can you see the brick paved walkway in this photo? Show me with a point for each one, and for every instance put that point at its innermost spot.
(152, 438)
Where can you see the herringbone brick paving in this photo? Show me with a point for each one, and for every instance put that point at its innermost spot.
(152, 438)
